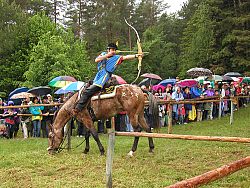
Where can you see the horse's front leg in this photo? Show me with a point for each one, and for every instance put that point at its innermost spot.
(87, 135)
(96, 137)
(87, 121)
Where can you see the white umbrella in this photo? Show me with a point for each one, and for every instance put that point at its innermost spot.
(22, 95)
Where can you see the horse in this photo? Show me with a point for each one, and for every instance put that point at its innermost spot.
(129, 98)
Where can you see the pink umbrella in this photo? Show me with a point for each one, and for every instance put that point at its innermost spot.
(156, 87)
(119, 79)
(151, 75)
(188, 83)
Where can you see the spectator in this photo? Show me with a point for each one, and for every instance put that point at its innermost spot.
(10, 122)
(46, 119)
(36, 111)
(200, 108)
(80, 129)
(25, 120)
(188, 107)
(208, 107)
(177, 95)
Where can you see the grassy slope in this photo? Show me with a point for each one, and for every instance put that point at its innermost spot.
(25, 163)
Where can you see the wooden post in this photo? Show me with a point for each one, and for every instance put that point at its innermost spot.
(220, 108)
(232, 112)
(110, 153)
(213, 174)
(170, 118)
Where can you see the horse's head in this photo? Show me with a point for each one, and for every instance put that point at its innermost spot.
(54, 139)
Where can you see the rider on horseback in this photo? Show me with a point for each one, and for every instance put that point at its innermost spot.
(107, 63)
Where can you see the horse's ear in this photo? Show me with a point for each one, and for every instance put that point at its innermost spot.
(50, 127)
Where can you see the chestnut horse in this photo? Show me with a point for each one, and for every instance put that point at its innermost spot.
(129, 98)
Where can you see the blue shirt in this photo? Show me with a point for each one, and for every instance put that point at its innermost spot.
(105, 68)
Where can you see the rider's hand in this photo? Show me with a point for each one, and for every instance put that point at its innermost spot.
(139, 55)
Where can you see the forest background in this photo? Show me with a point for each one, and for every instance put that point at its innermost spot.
(36, 44)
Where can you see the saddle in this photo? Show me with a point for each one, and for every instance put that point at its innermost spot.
(108, 91)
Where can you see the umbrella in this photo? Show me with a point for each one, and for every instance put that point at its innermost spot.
(22, 95)
(73, 86)
(61, 81)
(156, 87)
(187, 83)
(217, 78)
(246, 80)
(152, 76)
(39, 91)
(167, 81)
(119, 79)
(148, 81)
(195, 72)
(61, 91)
(18, 90)
(233, 74)
(227, 79)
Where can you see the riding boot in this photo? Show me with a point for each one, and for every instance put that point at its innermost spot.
(89, 92)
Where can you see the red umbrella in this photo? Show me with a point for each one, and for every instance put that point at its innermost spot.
(188, 83)
(152, 76)
(119, 79)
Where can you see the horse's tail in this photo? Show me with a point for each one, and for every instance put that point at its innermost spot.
(154, 110)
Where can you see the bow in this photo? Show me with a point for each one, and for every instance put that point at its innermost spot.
(139, 50)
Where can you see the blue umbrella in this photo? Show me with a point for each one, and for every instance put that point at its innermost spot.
(18, 90)
(167, 81)
(61, 91)
(74, 86)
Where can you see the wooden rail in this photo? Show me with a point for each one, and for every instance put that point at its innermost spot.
(213, 174)
(185, 137)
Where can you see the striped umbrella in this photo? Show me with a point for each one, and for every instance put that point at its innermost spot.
(61, 81)
(73, 86)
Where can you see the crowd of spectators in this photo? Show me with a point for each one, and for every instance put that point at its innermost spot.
(183, 113)
(36, 124)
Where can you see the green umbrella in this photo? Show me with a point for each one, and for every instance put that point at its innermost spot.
(246, 80)
(61, 81)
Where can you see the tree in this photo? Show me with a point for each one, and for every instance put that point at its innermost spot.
(56, 53)
(198, 39)
(12, 35)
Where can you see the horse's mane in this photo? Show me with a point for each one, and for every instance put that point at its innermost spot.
(56, 112)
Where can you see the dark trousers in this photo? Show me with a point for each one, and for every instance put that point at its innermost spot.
(89, 92)
(81, 130)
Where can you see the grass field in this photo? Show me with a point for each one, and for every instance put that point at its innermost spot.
(25, 163)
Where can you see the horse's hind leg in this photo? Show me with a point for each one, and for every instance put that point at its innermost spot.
(136, 140)
(87, 135)
(145, 126)
(134, 122)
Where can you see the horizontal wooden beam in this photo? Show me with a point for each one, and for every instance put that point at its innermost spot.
(185, 137)
(213, 174)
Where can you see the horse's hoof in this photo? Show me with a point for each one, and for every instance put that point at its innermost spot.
(85, 151)
(151, 151)
(130, 154)
(102, 153)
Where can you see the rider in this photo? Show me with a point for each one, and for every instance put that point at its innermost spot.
(107, 63)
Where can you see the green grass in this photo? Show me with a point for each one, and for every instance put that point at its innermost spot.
(25, 163)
